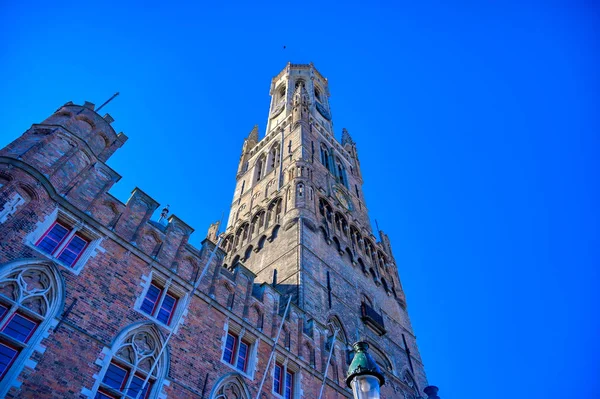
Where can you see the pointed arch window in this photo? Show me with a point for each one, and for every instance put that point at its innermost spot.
(134, 355)
(30, 297)
(273, 157)
(231, 387)
(260, 167)
(342, 178)
(324, 156)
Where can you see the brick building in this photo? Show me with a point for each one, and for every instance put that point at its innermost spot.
(91, 287)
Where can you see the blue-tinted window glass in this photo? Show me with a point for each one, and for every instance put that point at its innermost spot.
(136, 384)
(166, 309)
(19, 327)
(150, 300)
(229, 348)
(242, 356)
(115, 376)
(53, 238)
(73, 249)
(277, 379)
(7, 355)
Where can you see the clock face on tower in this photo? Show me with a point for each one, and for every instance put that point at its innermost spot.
(342, 198)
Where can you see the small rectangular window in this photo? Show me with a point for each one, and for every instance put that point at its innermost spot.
(277, 378)
(159, 304)
(115, 376)
(152, 297)
(242, 356)
(229, 348)
(7, 356)
(283, 381)
(73, 250)
(64, 243)
(53, 238)
(289, 383)
(19, 327)
(237, 352)
(166, 309)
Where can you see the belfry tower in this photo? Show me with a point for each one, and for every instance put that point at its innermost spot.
(299, 221)
(104, 299)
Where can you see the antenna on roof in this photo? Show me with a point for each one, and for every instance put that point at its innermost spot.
(107, 101)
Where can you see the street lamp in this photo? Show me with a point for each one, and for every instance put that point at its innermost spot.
(364, 376)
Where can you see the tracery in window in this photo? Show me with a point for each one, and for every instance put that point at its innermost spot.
(30, 297)
(136, 352)
(232, 387)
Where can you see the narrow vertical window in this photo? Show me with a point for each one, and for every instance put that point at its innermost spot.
(229, 348)
(166, 309)
(277, 378)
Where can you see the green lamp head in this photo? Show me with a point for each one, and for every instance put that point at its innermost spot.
(363, 364)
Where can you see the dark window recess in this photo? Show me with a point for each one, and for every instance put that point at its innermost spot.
(329, 289)
(372, 319)
(282, 304)
(258, 290)
(308, 327)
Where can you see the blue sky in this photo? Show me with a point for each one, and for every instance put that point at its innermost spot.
(477, 127)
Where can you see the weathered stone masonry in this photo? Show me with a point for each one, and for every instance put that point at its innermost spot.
(298, 227)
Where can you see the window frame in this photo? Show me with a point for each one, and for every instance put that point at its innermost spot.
(81, 252)
(235, 354)
(240, 337)
(121, 393)
(12, 316)
(51, 293)
(12, 361)
(74, 227)
(284, 370)
(165, 289)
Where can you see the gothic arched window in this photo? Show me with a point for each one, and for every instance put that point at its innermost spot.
(281, 92)
(230, 387)
(273, 157)
(31, 295)
(324, 156)
(318, 94)
(341, 173)
(260, 168)
(134, 354)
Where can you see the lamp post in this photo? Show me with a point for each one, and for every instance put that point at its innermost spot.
(364, 376)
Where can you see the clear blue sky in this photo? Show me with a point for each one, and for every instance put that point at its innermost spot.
(477, 126)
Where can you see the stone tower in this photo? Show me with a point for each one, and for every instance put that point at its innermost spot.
(299, 221)
(95, 293)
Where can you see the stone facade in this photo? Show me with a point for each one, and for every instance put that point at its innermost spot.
(92, 320)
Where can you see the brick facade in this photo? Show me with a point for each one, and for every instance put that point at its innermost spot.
(298, 228)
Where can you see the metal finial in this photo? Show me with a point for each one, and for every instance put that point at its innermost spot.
(164, 213)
